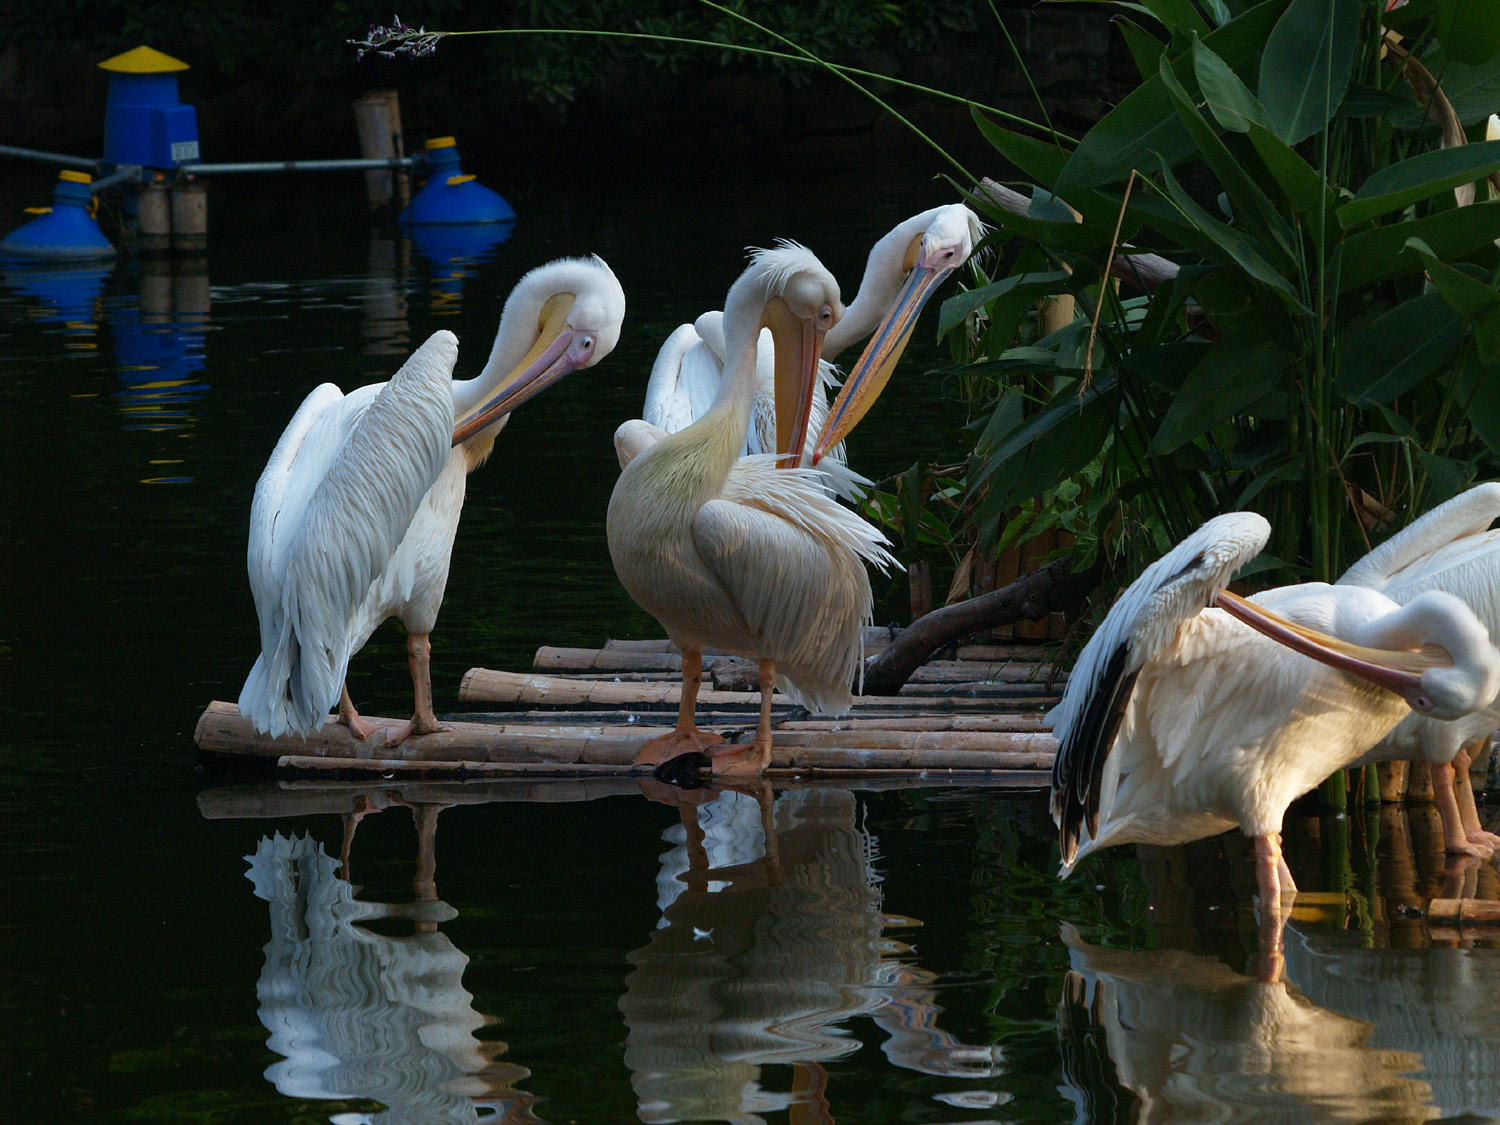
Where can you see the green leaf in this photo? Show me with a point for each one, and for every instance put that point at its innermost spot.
(1066, 403)
(1372, 101)
(1228, 99)
(1229, 377)
(1419, 177)
(1304, 70)
(1468, 295)
(1382, 253)
(1299, 182)
(1470, 30)
(957, 309)
(1250, 204)
(1233, 245)
(1480, 386)
(1074, 437)
(1145, 48)
(1144, 121)
(1447, 476)
(1392, 353)
(1039, 161)
(1177, 16)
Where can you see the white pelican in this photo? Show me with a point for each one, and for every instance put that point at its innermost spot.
(736, 553)
(354, 516)
(689, 367)
(1179, 722)
(1450, 548)
(925, 255)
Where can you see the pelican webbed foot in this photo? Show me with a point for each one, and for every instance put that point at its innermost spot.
(666, 747)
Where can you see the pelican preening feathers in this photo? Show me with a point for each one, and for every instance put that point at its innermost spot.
(901, 272)
(1181, 720)
(735, 552)
(355, 513)
(1450, 548)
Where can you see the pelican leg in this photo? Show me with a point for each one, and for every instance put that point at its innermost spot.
(1455, 837)
(686, 738)
(359, 728)
(1463, 783)
(1277, 892)
(419, 660)
(740, 761)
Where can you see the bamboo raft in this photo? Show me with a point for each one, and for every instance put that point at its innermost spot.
(585, 713)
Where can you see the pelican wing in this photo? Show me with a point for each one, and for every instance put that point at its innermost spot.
(792, 562)
(1430, 543)
(684, 380)
(635, 437)
(354, 518)
(1140, 627)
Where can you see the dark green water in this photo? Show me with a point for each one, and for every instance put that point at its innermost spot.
(903, 959)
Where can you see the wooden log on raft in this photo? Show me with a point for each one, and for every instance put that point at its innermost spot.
(486, 685)
(223, 733)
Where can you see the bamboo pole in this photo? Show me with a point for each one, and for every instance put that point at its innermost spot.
(1464, 911)
(486, 685)
(223, 732)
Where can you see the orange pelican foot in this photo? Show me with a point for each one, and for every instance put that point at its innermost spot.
(689, 740)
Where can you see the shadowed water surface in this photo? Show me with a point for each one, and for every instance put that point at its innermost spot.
(574, 952)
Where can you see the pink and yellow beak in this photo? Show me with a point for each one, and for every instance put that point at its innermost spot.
(558, 351)
(798, 348)
(1396, 671)
(878, 362)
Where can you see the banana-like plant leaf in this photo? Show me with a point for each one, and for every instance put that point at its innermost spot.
(1372, 101)
(1039, 160)
(1231, 375)
(1419, 177)
(1233, 245)
(1145, 48)
(1470, 30)
(1392, 353)
(1480, 386)
(1299, 182)
(1382, 253)
(957, 309)
(1248, 202)
(1073, 439)
(1228, 99)
(1304, 70)
(1066, 405)
(1477, 301)
(1447, 476)
(1144, 121)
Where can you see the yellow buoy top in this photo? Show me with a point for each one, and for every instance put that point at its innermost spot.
(75, 177)
(143, 60)
(441, 142)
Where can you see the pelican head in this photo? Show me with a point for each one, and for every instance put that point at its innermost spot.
(1432, 652)
(801, 304)
(945, 245)
(567, 316)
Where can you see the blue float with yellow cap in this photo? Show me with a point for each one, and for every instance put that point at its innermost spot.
(450, 196)
(66, 231)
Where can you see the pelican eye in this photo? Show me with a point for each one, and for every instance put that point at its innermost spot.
(825, 316)
(1422, 703)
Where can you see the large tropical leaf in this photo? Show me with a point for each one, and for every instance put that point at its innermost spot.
(1144, 121)
(1304, 70)
(1230, 376)
(1382, 253)
(1232, 245)
(1419, 177)
(1390, 354)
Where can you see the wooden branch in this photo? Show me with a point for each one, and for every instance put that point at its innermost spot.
(1146, 270)
(1030, 598)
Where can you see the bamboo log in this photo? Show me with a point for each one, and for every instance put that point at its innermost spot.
(1027, 651)
(222, 732)
(876, 636)
(1464, 911)
(486, 685)
(1419, 782)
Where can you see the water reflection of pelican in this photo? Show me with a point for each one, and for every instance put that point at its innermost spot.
(1437, 1003)
(362, 1015)
(763, 956)
(1190, 1039)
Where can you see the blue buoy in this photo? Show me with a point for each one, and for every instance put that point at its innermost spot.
(144, 122)
(449, 196)
(64, 231)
